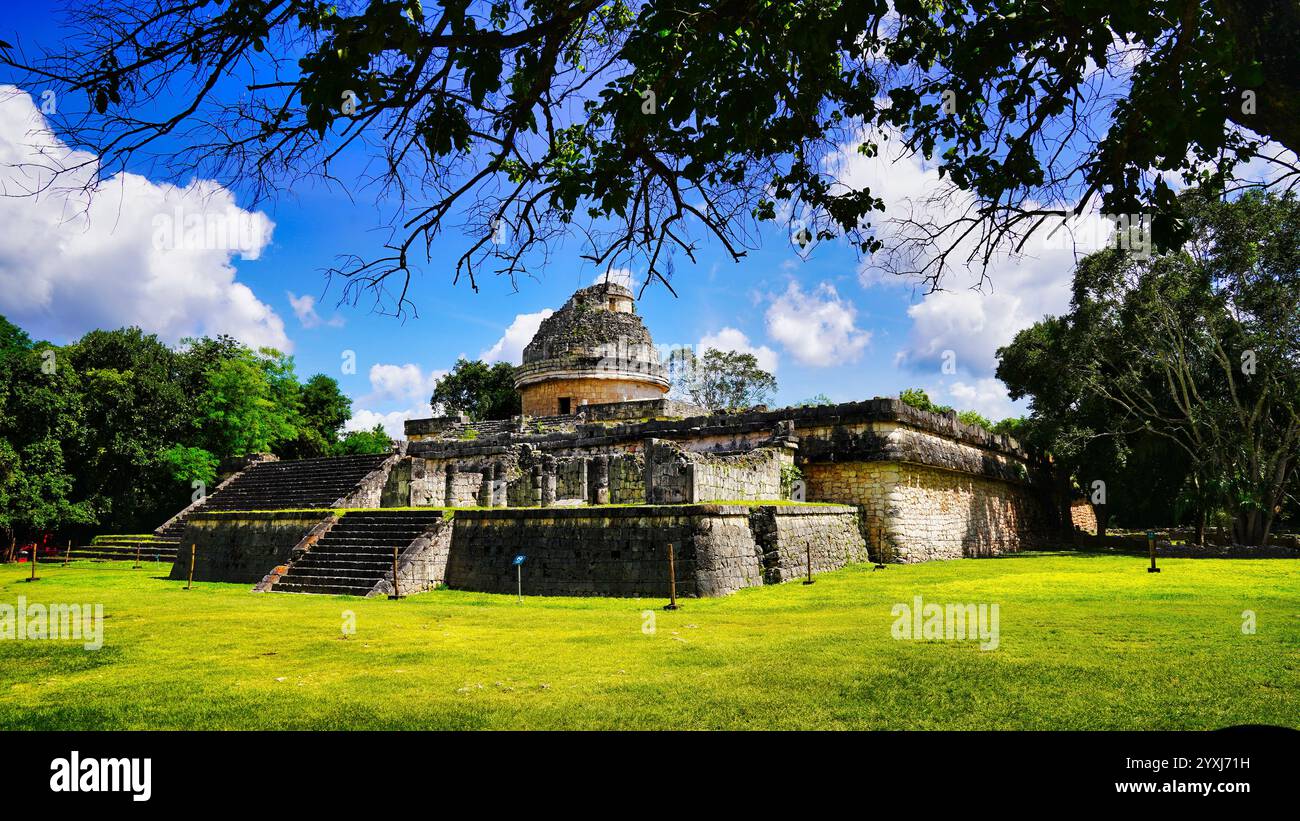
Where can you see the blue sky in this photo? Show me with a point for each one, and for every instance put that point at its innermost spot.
(826, 323)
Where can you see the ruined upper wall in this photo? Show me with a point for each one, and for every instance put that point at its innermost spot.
(881, 429)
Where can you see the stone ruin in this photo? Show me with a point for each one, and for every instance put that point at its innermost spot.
(594, 492)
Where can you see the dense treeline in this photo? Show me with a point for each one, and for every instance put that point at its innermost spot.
(113, 431)
(1171, 389)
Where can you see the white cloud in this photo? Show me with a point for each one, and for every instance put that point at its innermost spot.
(817, 328)
(304, 307)
(400, 383)
(986, 396)
(618, 276)
(510, 347)
(406, 385)
(731, 339)
(973, 317)
(392, 421)
(137, 252)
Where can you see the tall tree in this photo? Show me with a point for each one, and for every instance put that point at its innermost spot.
(722, 380)
(41, 418)
(136, 407)
(653, 123)
(1199, 349)
(325, 409)
(479, 390)
(250, 405)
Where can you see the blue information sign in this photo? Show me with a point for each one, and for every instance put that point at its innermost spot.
(520, 558)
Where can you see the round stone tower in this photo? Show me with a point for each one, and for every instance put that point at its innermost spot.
(592, 351)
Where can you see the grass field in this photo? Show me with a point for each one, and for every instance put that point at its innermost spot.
(1086, 642)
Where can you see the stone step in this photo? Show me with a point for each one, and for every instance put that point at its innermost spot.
(323, 586)
(369, 575)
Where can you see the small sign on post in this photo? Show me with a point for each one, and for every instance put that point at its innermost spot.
(519, 576)
(1151, 545)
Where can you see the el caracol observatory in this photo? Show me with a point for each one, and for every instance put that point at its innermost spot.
(592, 351)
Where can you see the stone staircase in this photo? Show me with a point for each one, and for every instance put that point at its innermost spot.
(301, 483)
(124, 548)
(356, 553)
(271, 485)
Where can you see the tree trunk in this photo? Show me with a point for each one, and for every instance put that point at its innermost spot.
(10, 549)
(1200, 525)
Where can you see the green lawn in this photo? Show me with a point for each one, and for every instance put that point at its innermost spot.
(1087, 642)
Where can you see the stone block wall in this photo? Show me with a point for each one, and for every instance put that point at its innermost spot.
(718, 549)
(788, 538)
(1083, 517)
(422, 565)
(543, 398)
(918, 513)
(241, 547)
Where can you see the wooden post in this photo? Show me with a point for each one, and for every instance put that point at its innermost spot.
(397, 594)
(672, 581)
(190, 583)
(137, 556)
(809, 580)
(1151, 546)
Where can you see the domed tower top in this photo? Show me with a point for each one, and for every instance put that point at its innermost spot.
(593, 350)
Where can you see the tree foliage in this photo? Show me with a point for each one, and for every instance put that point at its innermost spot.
(112, 430)
(647, 126)
(478, 390)
(722, 380)
(1192, 358)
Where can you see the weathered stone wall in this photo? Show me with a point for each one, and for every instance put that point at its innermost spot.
(718, 549)
(788, 537)
(918, 513)
(241, 547)
(1083, 517)
(543, 398)
(422, 565)
(370, 491)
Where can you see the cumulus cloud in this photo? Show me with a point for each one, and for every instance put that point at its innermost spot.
(817, 328)
(619, 276)
(973, 316)
(135, 252)
(304, 307)
(400, 383)
(732, 339)
(406, 385)
(986, 396)
(510, 347)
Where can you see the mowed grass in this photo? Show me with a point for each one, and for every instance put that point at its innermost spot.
(1087, 642)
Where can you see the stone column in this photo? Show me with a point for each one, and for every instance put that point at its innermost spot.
(485, 486)
(649, 448)
(548, 480)
(600, 490)
(500, 486)
(537, 484)
(449, 497)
